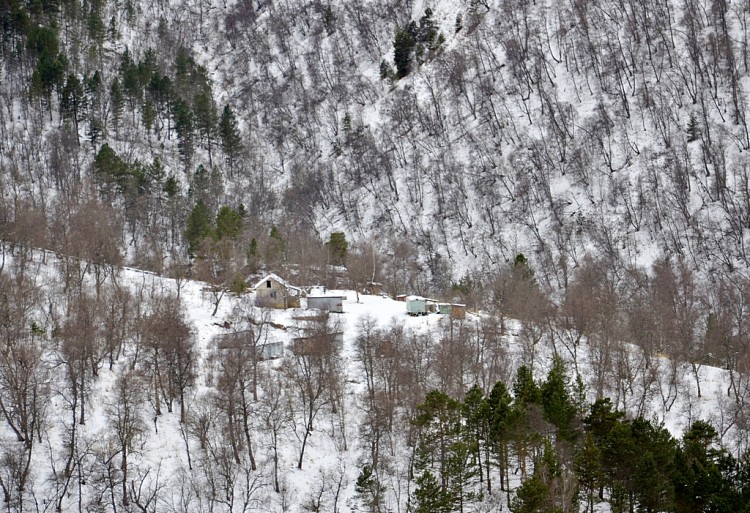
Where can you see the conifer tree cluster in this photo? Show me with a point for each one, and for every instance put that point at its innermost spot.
(547, 450)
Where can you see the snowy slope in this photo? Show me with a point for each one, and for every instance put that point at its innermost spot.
(159, 464)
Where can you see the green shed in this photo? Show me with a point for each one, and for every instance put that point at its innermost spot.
(416, 305)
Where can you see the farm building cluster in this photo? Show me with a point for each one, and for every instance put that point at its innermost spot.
(310, 333)
(275, 292)
(418, 305)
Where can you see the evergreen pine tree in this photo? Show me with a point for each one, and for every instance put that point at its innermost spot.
(693, 130)
(403, 48)
(252, 255)
(131, 84)
(525, 389)
(526, 413)
(439, 421)
(601, 419)
(171, 187)
(147, 68)
(429, 496)
(49, 73)
(501, 418)
(160, 92)
(228, 224)
(198, 227)
(231, 142)
(155, 175)
(476, 412)
(184, 126)
(654, 465)
(73, 101)
(110, 171)
(531, 497)
(205, 119)
(369, 490)
(461, 469)
(619, 458)
(95, 130)
(588, 468)
(117, 102)
(699, 483)
(95, 26)
(522, 268)
(338, 247)
(559, 409)
(329, 20)
(148, 116)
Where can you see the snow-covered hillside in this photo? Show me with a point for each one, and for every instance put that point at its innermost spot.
(199, 465)
(576, 173)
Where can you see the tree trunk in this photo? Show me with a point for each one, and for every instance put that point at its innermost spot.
(82, 420)
(304, 444)
(276, 463)
(246, 428)
(124, 468)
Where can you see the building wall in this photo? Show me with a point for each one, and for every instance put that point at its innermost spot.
(458, 311)
(317, 344)
(271, 294)
(416, 306)
(330, 303)
(243, 339)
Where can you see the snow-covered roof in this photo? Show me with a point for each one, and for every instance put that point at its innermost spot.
(415, 298)
(275, 277)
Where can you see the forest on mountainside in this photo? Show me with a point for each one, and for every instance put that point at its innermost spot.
(580, 168)
(602, 143)
(442, 139)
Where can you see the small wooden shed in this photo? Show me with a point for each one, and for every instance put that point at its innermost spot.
(275, 292)
(458, 311)
(444, 308)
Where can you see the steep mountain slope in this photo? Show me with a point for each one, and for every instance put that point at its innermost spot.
(580, 167)
(616, 129)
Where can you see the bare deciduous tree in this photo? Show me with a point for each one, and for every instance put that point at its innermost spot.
(233, 395)
(170, 360)
(81, 351)
(24, 393)
(275, 416)
(124, 415)
(314, 370)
